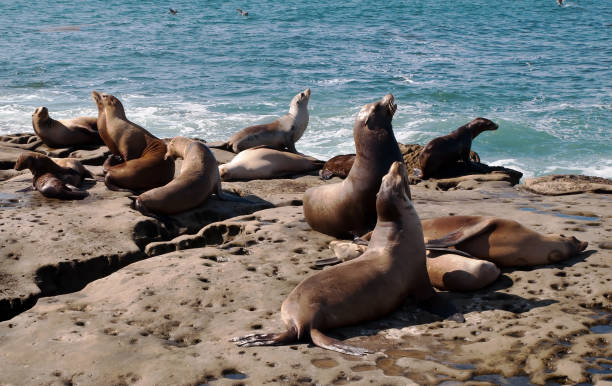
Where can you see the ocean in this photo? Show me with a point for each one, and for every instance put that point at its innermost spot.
(541, 71)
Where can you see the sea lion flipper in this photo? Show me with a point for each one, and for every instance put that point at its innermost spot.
(270, 339)
(325, 262)
(442, 307)
(28, 189)
(324, 341)
(460, 235)
(448, 250)
(221, 195)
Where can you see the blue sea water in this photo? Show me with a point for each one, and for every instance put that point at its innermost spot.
(542, 72)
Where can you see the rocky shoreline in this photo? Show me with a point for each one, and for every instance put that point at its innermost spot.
(93, 292)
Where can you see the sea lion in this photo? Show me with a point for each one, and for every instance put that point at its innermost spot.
(199, 178)
(448, 149)
(503, 242)
(51, 179)
(348, 208)
(262, 163)
(368, 287)
(137, 162)
(70, 170)
(280, 134)
(339, 165)
(448, 270)
(80, 131)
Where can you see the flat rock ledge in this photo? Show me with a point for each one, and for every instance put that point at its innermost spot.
(561, 184)
(92, 292)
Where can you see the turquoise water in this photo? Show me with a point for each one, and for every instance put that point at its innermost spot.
(542, 72)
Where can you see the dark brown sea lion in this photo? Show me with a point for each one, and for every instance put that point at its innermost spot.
(199, 178)
(70, 170)
(368, 287)
(504, 242)
(448, 149)
(348, 208)
(138, 160)
(80, 131)
(281, 134)
(51, 179)
(263, 163)
(339, 166)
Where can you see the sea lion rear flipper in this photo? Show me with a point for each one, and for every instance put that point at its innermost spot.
(273, 339)
(221, 195)
(220, 145)
(324, 341)
(442, 307)
(325, 262)
(460, 235)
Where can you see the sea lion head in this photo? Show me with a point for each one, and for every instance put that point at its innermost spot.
(112, 105)
(480, 124)
(97, 97)
(300, 102)
(377, 115)
(394, 193)
(30, 160)
(40, 114)
(177, 147)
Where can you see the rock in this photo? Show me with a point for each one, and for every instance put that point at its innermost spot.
(561, 184)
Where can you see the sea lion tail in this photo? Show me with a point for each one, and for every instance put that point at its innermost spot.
(324, 341)
(272, 339)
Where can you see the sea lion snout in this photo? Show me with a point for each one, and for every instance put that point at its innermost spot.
(484, 124)
(389, 101)
(41, 112)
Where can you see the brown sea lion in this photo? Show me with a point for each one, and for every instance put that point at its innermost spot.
(348, 208)
(368, 287)
(339, 166)
(80, 131)
(448, 149)
(199, 178)
(263, 163)
(138, 160)
(281, 134)
(504, 242)
(70, 170)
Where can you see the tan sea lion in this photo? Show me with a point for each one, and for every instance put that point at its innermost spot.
(368, 287)
(262, 163)
(51, 179)
(70, 170)
(504, 242)
(138, 160)
(448, 149)
(339, 166)
(78, 131)
(199, 178)
(348, 208)
(280, 134)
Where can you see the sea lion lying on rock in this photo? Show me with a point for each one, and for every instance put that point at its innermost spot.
(78, 131)
(138, 160)
(263, 163)
(281, 134)
(199, 178)
(448, 149)
(368, 287)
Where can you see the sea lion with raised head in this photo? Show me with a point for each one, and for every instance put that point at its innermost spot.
(448, 149)
(137, 161)
(368, 287)
(51, 179)
(338, 166)
(281, 134)
(263, 163)
(80, 131)
(198, 179)
(503, 242)
(348, 208)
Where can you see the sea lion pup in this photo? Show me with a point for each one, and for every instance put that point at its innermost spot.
(262, 163)
(448, 149)
(339, 165)
(280, 134)
(199, 178)
(78, 131)
(368, 287)
(348, 208)
(138, 160)
(503, 242)
(70, 170)
(51, 179)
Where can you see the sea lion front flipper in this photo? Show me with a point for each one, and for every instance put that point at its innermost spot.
(325, 262)
(221, 195)
(442, 307)
(460, 235)
(324, 341)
